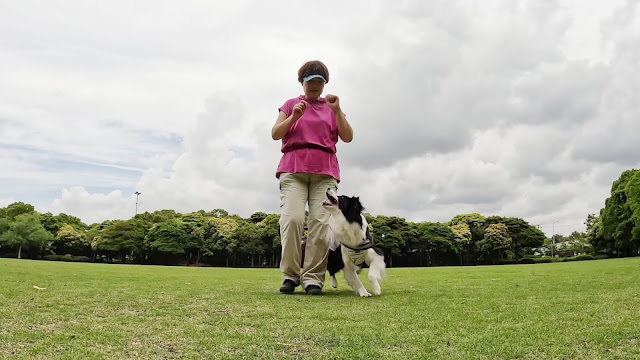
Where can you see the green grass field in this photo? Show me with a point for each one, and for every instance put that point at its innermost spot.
(577, 310)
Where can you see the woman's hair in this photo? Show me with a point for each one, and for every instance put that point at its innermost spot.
(314, 67)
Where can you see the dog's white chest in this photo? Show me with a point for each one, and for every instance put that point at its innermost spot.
(351, 234)
(338, 226)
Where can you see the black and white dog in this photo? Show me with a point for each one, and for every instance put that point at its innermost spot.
(351, 244)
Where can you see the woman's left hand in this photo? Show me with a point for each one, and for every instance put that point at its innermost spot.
(334, 103)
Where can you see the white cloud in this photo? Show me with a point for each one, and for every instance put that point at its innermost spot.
(94, 207)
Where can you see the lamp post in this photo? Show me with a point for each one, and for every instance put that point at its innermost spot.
(137, 194)
(553, 236)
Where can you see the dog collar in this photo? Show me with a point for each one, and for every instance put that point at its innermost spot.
(364, 246)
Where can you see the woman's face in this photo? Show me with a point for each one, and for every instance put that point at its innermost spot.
(313, 88)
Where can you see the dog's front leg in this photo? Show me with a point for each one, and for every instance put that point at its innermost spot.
(351, 276)
(376, 270)
(334, 282)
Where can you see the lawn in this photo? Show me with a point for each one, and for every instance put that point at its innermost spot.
(576, 310)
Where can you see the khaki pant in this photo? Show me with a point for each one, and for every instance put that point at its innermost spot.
(295, 191)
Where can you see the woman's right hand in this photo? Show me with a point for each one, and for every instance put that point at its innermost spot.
(284, 123)
(298, 110)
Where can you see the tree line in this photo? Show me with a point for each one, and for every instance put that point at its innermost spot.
(219, 239)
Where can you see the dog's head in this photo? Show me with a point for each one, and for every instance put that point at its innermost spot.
(350, 207)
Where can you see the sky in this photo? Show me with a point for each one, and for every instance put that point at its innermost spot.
(525, 109)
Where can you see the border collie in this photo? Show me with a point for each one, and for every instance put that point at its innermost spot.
(351, 244)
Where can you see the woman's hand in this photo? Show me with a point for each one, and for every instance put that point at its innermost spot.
(284, 123)
(298, 110)
(334, 103)
(345, 132)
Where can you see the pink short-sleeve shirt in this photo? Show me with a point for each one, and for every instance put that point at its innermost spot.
(310, 144)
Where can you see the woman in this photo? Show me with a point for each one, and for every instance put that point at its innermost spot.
(309, 127)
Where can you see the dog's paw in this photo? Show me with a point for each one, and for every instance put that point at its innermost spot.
(377, 292)
(334, 282)
(364, 293)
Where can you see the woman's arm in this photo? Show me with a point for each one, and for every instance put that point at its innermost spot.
(282, 126)
(283, 123)
(345, 132)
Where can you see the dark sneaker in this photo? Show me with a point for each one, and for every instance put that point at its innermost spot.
(313, 290)
(288, 286)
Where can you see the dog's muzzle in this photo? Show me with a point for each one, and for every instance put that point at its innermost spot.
(332, 198)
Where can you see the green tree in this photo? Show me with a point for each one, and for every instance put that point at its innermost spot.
(124, 238)
(70, 241)
(50, 222)
(4, 225)
(475, 221)
(462, 237)
(435, 241)
(248, 237)
(218, 213)
(223, 242)
(575, 244)
(525, 237)
(15, 209)
(257, 217)
(496, 242)
(389, 233)
(197, 230)
(75, 222)
(633, 202)
(53, 223)
(168, 237)
(270, 237)
(468, 230)
(93, 236)
(158, 216)
(621, 214)
(595, 235)
(25, 232)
